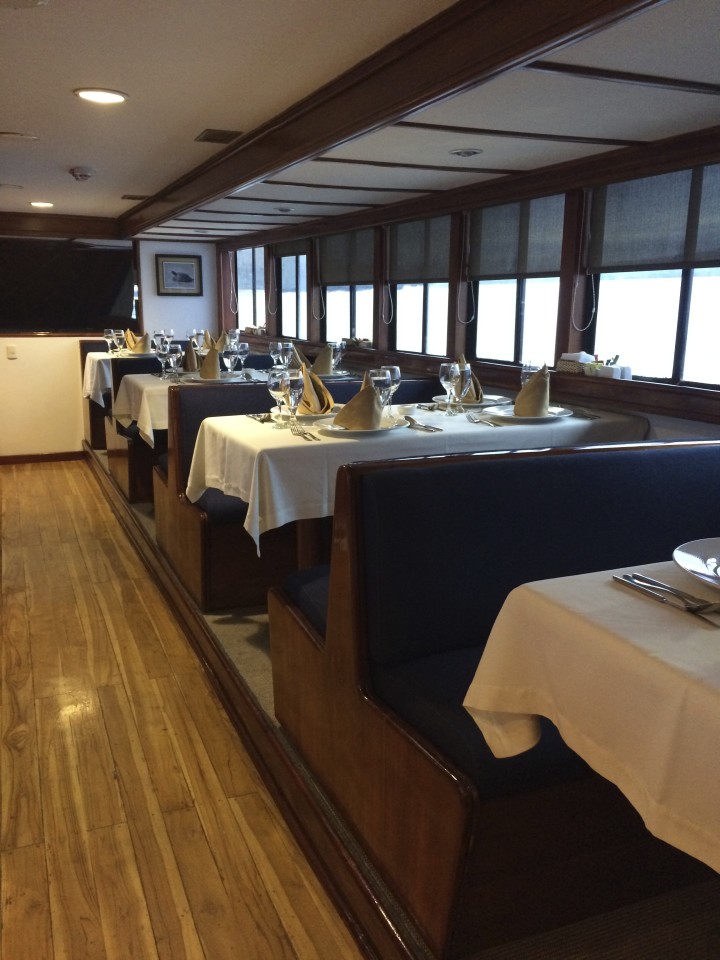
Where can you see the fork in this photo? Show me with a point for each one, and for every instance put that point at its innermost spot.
(300, 431)
(474, 419)
(694, 604)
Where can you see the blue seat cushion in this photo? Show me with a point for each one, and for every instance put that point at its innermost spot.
(162, 463)
(308, 590)
(222, 508)
(427, 693)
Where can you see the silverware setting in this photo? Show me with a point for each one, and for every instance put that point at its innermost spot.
(415, 425)
(673, 596)
(473, 418)
(300, 431)
(261, 417)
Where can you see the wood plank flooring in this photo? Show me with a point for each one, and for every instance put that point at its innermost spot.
(132, 822)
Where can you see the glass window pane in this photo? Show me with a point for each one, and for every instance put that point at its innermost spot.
(302, 297)
(496, 302)
(437, 318)
(337, 312)
(702, 356)
(637, 319)
(409, 317)
(541, 308)
(288, 296)
(364, 308)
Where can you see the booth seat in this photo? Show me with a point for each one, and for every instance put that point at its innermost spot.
(205, 542)
(372, 656)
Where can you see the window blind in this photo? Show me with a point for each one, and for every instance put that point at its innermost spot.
(347, 258)
(517, 239)
(420, 251)
(669, 220)
(291, 248)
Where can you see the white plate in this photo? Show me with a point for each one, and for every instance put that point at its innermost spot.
(488, 400)
(398, 425)
(310, 417)
(701, 559)
(507, 413)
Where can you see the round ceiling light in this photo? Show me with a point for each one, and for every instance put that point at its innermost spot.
(465, 152)
(41, 203)
(99, 95)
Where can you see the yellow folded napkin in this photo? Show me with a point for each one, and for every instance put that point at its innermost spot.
(363, 412)
(210, 368)
(221, 342)
(316, 398)
(141, 345)
(323, 364)
(190, 359)
(298, 359)
(534, 398)
(130, 339)
(475, 391)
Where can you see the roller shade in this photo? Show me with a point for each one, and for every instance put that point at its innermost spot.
(291, 248)
(420, 251)
(517, 239)
(347, 258)
(670, 220)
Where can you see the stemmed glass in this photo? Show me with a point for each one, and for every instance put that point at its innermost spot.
(294, 383)
(527, 370)
(119, 337)
(395, 377)
(275, 351)
(174, 359)
(169, 336)
(243, 349)
(192, 338)
(449, 376)
(338, 349)
(109, 338)
(230, 357)
(380, 379)
(287, 354)
(277, 378)
(463, 384)
(162, 351)
(158, 338)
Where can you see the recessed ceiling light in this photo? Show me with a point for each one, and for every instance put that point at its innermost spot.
(14, 135)
(41, 203)
(465, 152)
(99, 95)
(284, 209)
(11, 186)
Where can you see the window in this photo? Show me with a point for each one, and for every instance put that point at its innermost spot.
(346, 276)
(250, 265)
(655, 264)
(514, 270)
(291, 268)
(419, 266)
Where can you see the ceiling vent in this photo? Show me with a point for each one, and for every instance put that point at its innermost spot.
(218, 136)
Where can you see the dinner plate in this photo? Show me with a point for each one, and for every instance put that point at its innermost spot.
(334, 428)
(309, 417)
(506, 413)
(488, 400)
(701, 558)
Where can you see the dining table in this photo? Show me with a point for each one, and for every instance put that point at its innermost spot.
(284, 477)
(633, 686)
(97, 375)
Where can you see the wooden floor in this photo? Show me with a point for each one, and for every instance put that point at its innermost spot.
(133, 823)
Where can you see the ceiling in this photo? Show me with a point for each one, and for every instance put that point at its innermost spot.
(334, 107)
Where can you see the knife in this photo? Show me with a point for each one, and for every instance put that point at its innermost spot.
(649, 592)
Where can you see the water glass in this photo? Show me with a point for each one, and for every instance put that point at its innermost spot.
(243, 349)
(288, 350)
(277, 386)
(169, 336)
(230, 357)
(527, 370)
(162, 351)
(338, 349)
(119, 337)
(191, 336)
(275, 351)
(463, 384)
(395, 377)
(380, 379)
(174, 358)
(295, 383)
(158, 338)
(109, 338)
(449, 377)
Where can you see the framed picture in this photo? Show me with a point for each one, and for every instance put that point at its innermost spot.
(178, 276)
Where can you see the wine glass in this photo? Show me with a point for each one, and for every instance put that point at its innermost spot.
(230, 357)
(527, 370)
(338, 349)
(158, 338)
(169, 336)
(287, 354)
(191, 336)
(295, 383)
(119, 337)
(243, 349)
(449, 376)
(109, 338)
(395, 377)
(380, 379)
(233, 335)
(463, 384)
(162, 351)
(275, 351)
(174, 359)
(276, 382)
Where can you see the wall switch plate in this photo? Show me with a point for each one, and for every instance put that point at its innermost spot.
(11, 352)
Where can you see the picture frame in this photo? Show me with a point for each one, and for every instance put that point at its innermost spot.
(178, 275)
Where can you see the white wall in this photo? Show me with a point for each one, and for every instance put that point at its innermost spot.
(41, 404)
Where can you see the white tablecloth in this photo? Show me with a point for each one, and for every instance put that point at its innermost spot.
(97, 376)
(283, 477)
(633, 686)
(143, 397)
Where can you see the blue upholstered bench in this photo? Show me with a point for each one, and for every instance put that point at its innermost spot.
(380, 647)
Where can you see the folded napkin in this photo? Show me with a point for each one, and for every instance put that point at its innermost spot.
(475, 391)
(316, 398)
(141, 344)
(210, 367)
(362, 412)
(323, 364)
(190, 359)
(298, 359)
(534, 398)
(130, 339)
(222, 342)
(581, 357)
